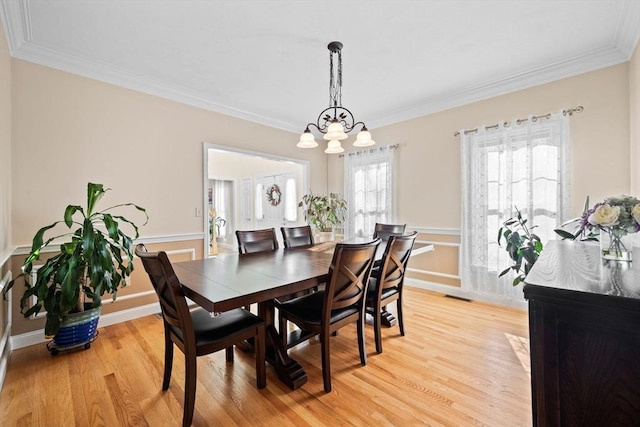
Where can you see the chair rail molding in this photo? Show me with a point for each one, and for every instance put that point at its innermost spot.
(25, 250)
(434, 230)
(37, 336)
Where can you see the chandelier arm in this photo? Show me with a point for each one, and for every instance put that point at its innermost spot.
(364, 127)
(336, 114)
(314, 125)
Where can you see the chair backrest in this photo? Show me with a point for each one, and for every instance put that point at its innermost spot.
(384, 231)
(250, 241)
(297, 236)
(348, 276)
(175, 311)
(394, 262)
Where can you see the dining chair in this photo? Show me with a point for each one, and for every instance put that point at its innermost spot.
(297, 237)
(198, 332)
(294, 237)
(384, 231)
(340, 303)
(386, 282)
(251, 241)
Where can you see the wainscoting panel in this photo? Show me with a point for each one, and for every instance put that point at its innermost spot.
(439, 266)
(5, 323)
(137, 299)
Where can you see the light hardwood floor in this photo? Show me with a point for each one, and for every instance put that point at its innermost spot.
(460, 364)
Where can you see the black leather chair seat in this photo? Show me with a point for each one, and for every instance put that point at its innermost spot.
(372, 291)
(308, 308)
(209, 329)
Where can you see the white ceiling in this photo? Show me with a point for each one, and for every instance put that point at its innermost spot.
(267, 61)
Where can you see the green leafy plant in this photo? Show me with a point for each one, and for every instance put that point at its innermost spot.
(583, 230)
(96, 260)
(324, 212)
(522, 245)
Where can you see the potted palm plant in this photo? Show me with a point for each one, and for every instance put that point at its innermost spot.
(95, 258)
(325, 213)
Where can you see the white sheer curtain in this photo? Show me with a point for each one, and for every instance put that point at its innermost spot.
(524, 166)
(223, 203)
(368, 190)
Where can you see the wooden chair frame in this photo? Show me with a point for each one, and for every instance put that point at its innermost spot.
(179, 328)
(342, 302)
(384, 231)
(294, 237)
(250, 241)
(389, 281)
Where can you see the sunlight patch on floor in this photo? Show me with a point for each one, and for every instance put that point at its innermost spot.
(520, 346)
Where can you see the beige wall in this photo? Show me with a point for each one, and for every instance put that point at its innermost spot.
(68, 130)
(5, 147)
(5, 193)
(428, 184)
(634, 108)
(428, 177)
(65, 127)
(230, 165)
(138, 293)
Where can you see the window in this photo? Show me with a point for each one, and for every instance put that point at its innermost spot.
(259, 212)
(290, 200)
(223, 204)
(521, 166)
(368, 190)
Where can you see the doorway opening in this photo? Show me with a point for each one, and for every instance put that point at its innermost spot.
(246, 190)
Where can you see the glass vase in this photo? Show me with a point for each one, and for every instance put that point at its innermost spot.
(616, 247)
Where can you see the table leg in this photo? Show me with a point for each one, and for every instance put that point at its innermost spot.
(288, 370)
(387, 319)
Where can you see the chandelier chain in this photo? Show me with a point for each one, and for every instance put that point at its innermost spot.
(335, 82)
(335, 121)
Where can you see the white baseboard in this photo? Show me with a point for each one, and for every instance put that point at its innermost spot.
(458, 292)
(37, 337)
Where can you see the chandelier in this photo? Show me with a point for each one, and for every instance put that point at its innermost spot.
(336, 121)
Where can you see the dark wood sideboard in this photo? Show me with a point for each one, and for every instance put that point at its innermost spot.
(584, 327)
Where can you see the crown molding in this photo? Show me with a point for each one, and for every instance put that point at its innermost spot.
(105, 73)
(590, 61)
(628, 31)
(16, 20)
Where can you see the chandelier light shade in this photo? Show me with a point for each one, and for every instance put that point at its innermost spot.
(307, 140)
(364, 138)
(334, 147)
(335, 131)
(336, 121)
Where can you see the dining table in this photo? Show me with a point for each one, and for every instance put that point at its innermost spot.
(231, 280)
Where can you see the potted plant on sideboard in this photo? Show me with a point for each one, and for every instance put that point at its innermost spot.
(95, 258)
(324, 213)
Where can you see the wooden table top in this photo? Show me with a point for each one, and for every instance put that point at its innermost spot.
(577, 267)
(231, 280)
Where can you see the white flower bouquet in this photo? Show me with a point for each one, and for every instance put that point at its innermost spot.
(615, 216)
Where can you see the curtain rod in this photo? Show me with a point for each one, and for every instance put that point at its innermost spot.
(568, 112)
(371, 150)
